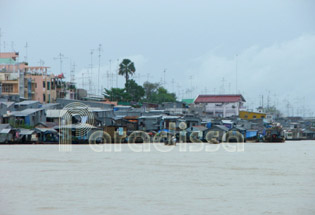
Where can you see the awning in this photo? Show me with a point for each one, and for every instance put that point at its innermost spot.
(5, 131)
(26, 132)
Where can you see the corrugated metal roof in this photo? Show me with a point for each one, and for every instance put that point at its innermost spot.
(9, 61)
(25, 112)
(3, 126)
(219, 98)
(54, 113)
(26, 131)
(27, 102)
(5, 131)
(188, 101)
(50, 130)
(150, 117)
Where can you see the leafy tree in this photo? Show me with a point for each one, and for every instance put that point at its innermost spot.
(126, 68)
(163, 96)
(157, 94)
(135, 91)
(115, 94)
(150, 89)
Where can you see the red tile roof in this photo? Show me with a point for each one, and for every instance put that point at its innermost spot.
(12, 55)
(219, 98)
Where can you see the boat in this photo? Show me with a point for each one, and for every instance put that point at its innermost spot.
(274, 134)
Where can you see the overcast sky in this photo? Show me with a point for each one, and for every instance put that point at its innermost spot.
(201, 44)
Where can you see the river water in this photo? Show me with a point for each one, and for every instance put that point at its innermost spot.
(263, 179)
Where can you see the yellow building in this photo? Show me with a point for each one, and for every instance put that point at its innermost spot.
(251, 115)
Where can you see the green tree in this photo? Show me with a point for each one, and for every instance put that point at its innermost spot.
(162, 95)
(135, 91)
(115, 94)
(157, 94)
(150, 90)
(126, 68)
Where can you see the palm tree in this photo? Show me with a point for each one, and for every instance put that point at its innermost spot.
(126, 68)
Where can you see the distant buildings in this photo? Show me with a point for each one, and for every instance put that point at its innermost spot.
(220, 105)
(20, 81)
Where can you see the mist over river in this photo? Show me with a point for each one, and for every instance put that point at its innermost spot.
(265, 178)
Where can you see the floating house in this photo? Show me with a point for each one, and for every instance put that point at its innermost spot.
(150, 123)
(29, 117)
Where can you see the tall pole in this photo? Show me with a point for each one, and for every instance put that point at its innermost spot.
(0, 41)
(236, 74)
(26, 46)
(109, 74)
(99, 68)
(91, 71)
(60, 57)
(117, 73)
(164, 78)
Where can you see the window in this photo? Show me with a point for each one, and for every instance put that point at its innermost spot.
(44, 84)
(44, 97)
(254, 117)
(7, 88)
(48, 85)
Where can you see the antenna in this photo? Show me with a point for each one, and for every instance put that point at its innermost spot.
(99, 68)
(117, 73)
(91, 71)
(0, 40)
(164, 78)
(26, 53)
(191, 85)
(41, 62)
(236, 74)
(60, 57)
(12, 46)
(72, 73)
(223, 86)
(108, 74)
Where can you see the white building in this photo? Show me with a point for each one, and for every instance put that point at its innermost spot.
(221, 105)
